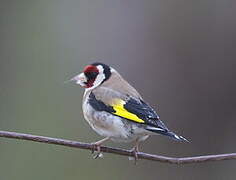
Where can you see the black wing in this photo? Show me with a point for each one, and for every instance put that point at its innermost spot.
(144, 112)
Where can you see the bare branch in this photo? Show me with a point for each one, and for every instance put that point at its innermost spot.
(141, 155)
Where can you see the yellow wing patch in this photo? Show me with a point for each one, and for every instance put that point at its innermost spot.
(118, 106)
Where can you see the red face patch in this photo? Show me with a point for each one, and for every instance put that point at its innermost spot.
(90, 68)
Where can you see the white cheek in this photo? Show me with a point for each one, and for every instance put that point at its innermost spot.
(99, 79)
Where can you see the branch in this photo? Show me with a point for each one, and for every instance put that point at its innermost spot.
(123, 152)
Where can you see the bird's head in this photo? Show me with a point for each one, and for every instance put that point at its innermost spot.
(93, 75)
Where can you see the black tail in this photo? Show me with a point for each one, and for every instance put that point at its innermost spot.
(167, 133)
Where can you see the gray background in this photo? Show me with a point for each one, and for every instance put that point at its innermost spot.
(180, 55)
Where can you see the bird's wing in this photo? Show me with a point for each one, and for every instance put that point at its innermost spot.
(135, 110)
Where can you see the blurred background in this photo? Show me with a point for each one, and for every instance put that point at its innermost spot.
(180, 55)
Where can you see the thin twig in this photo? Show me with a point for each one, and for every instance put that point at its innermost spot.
(141, 155)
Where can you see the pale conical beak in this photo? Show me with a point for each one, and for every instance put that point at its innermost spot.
(79, 79)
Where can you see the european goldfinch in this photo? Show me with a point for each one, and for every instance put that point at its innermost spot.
(115, 110)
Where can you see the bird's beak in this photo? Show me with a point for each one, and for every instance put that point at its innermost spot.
(79, 79)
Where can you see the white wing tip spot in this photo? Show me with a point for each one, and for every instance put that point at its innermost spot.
(177, 137)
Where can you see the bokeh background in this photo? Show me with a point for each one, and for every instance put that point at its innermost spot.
(180, 55)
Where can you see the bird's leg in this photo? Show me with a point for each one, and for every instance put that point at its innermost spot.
(135, 151)
(97, 147)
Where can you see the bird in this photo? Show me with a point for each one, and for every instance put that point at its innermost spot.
(115, 109)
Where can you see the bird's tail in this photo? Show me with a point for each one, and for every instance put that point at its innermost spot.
(168, 133)
(175, 136)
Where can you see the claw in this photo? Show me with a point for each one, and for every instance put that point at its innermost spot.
(98, 155)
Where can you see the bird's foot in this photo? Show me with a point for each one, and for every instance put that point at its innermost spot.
(134, 151)
(96, 146)
(96, 150)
